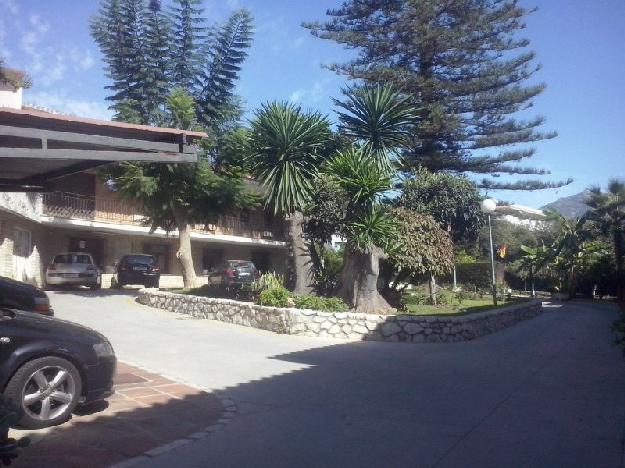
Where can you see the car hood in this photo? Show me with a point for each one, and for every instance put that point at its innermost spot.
(17, 287)
(54, 328)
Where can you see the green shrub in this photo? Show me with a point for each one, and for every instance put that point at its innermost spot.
(325, 304)
(275, 297)
(415, 298)
(267, 280)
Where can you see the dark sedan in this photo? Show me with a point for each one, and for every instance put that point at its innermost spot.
(48, 366)
(23, 296)
(136, 269)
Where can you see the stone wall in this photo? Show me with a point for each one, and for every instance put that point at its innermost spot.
(344, 325)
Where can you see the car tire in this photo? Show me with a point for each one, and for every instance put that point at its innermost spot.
(54, 386)
(95, 287)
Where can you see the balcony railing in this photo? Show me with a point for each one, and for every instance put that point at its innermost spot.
(73, 206)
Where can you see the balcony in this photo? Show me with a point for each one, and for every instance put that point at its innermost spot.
(73, 206)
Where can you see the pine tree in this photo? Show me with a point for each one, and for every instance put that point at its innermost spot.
(466, 69)
(188, 35)
(227, 50)
(157, 40)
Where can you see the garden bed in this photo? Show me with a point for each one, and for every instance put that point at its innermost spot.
(344, 325)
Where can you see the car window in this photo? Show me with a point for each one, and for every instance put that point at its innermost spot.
(146, 259)
(72, 258)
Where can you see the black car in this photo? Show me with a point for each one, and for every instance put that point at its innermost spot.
(233, 273)
(23, 296)
(48, 366)
(136, 269)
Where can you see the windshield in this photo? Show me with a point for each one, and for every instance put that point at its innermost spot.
(145, 259)
(72, 258)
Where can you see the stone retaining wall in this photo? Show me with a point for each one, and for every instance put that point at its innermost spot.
(344, 325)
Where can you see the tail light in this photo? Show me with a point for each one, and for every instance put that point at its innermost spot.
(52, 267)
(229, 273)
(123, 268)
(155, 269)
(257, 274)
(42, 304)
(91, 268)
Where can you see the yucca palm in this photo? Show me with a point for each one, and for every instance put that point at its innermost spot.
(367, 226)
(286, 150)
(608, 213)
(380, 118)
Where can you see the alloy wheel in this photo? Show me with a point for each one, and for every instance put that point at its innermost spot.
(48, 393)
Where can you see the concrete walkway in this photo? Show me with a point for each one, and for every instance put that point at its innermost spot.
(546, 392)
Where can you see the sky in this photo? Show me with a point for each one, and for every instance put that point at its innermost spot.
(578, 42)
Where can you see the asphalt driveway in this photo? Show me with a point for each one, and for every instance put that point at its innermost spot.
(546, 392)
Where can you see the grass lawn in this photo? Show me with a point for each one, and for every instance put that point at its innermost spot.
(468, 307)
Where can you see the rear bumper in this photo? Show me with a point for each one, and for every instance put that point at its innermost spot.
(137, 278)
(58, 280)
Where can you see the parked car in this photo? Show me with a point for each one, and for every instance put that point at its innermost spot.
(136, 269)
(48, 366)
(233, 273)
(74, 269)
(23, 296)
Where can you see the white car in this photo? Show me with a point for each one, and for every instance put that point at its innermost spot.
(74, 269)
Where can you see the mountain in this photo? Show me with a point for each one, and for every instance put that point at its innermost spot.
(570, 207)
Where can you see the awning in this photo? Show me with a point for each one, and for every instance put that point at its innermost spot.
(37, 147)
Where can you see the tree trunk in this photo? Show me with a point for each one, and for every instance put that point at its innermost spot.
(184, 254)
(432, 284)
(300, 263)
(618, 253)
(359, 282)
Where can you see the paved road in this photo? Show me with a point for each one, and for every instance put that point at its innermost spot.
(547, 392)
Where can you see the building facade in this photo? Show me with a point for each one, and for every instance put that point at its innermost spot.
(85, 215)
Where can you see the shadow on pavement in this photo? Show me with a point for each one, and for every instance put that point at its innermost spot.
(85, 292)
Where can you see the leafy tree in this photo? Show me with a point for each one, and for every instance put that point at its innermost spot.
(286, 150)
(608, 213)
(465, 68)
(453, 201)
(177, 196)
(532, 260)
(422, 248)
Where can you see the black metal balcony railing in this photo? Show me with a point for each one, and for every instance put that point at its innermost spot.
(73, 206)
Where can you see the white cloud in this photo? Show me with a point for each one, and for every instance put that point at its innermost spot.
(9, 10)
(60, 102)
(82, 59)
(9, 6)
(233, 4)
(298, 95)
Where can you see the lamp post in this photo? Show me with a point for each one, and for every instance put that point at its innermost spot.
(489, 205)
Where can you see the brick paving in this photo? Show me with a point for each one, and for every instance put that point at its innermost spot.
(146, 411)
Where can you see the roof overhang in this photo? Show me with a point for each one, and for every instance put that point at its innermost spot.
(36, 147)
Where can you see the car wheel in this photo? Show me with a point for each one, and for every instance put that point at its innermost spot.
(95, 287)
(47, 390)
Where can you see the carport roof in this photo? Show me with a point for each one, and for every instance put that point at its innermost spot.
(38, 147)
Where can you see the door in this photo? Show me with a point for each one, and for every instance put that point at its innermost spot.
(21, 255)
(93, 246)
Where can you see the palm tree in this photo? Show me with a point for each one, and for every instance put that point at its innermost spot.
(532, 260)
(286, 149)
(377, 117)
(608, 212)
(378, 120)
(367, 227)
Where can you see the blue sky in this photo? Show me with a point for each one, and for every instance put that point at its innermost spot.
(578, 42)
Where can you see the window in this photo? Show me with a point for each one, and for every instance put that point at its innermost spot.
(268, 218)
(160, 252)
(211, 258)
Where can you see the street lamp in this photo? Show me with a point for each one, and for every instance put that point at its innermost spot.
(489, 205)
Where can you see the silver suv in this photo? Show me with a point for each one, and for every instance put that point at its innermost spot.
(74, 269)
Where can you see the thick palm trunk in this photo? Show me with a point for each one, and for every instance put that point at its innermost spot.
(184, 254)
(300, 264)
(359, 282)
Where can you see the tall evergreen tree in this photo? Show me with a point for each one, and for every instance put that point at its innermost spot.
(465, 68)
(188, 36)
(227, 49)
(157, 39)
